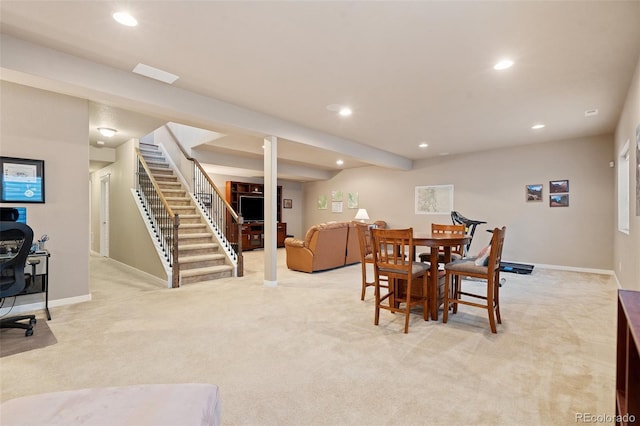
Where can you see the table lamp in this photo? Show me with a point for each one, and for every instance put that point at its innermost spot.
(362, 215)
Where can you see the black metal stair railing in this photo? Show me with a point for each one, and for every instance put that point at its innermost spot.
(218, 210)
(163, 220)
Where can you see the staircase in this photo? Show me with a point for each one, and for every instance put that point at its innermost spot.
(199, 254)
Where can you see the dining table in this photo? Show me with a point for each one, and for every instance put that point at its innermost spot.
(435, 242)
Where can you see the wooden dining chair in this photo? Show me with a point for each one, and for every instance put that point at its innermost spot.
(366, 256)
(476, 268)
(439, 228)
(407, 280)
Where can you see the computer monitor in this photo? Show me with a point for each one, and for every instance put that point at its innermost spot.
(13, 214)
(22, 215)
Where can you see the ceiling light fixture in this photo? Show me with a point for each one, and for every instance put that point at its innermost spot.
(125, 19)
(503, 65)
(345, 111)
(100, 142)
(423, 145)
(537, 126)
(107, 132)
(339, 162)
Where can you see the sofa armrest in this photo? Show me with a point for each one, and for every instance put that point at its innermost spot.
(293, 242)
(299, 257)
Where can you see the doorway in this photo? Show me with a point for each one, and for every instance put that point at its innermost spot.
(104, 215)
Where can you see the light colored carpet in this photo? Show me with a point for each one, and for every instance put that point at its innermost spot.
(307, 352)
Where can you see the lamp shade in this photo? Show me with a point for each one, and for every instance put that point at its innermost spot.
(362, 215)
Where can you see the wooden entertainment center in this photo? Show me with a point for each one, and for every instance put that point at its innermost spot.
(253, 232)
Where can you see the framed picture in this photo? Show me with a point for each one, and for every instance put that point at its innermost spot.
(352, 200)
(287, 203)
(322, 202)
(534, 192)
(436, 199)
(22, 180)
(559, 200)
(558, 186)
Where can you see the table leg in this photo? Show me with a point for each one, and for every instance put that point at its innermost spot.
(433, 290)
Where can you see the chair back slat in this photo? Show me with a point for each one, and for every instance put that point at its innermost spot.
(440, 228)
(495, 256)
(393, 249)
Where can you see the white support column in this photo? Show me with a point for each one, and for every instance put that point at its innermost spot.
(270, 211)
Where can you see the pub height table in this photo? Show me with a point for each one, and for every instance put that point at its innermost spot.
(435, 242)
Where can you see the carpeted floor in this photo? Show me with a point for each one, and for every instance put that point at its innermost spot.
(13, 341)
(307, 352)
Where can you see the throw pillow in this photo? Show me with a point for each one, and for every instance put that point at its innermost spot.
(483, 256)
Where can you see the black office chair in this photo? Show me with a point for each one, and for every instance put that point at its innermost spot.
(13, 279)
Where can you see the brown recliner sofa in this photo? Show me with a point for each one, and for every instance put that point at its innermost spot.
(325, 246)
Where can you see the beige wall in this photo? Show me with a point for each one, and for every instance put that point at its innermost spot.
(627, 247)
(490, 186)
(54, 128)
(129, 240)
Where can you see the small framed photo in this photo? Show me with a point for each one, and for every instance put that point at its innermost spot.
(287, 203)
(558, 186)
(559, 200)
(534, 192)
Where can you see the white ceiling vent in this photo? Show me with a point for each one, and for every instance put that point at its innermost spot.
(155, 73)
(591, 112)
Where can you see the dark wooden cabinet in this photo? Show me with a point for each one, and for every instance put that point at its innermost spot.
(628, 358)
(253, 232)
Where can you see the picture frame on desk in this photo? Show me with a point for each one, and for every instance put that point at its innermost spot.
(22, 180)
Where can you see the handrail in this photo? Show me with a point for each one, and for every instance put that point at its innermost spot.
(217, 208)
(220, 194)
(164, 221)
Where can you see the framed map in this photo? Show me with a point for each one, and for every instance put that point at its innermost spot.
(435, 199)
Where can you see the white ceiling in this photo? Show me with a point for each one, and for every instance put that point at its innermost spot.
(411, 71)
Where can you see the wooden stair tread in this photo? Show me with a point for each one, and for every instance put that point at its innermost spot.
(205, 271)
(198, 246)
(201, 257)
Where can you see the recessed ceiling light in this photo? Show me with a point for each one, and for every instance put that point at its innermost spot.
(339, 162)
(423, 145)
(503, 65)
(100, 142)
(155, 73)
(107, 132)
(125, 19)
(345, 111)
(537, 126)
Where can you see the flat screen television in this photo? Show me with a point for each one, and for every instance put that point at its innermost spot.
(252, 208)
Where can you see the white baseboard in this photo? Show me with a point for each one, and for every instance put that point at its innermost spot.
(573, 269)
(38, 306)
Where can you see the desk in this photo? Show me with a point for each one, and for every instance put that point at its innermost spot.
(434, 242)
(39, 283)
